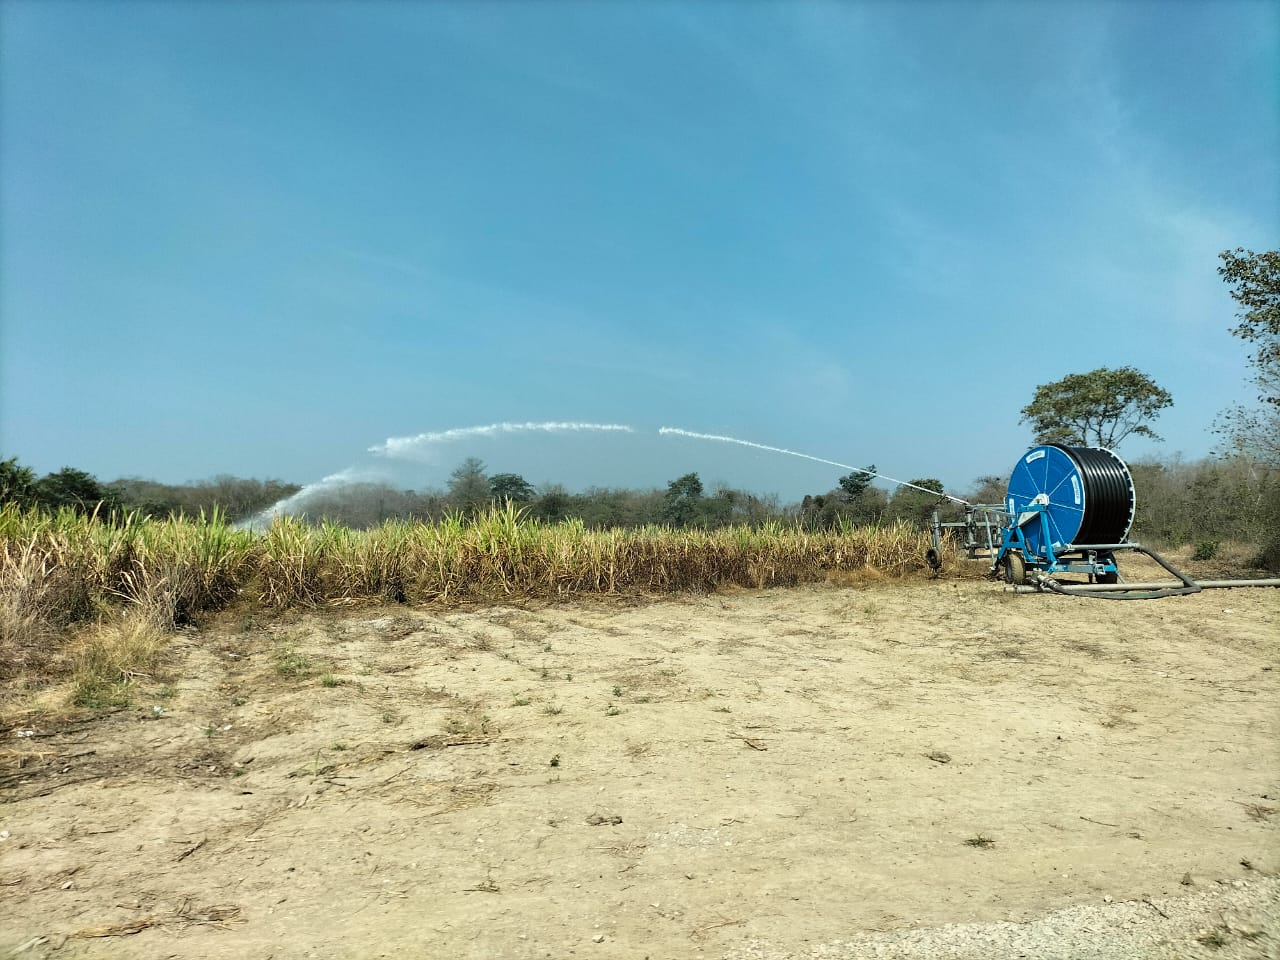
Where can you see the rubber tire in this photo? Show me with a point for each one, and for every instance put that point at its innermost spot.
(1015, 568)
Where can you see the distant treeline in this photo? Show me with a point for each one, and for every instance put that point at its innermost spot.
(1209, 502)
(81, 491)
(1201, 502)
(684, 503)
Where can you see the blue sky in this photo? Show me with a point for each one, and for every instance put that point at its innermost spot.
(260, 238)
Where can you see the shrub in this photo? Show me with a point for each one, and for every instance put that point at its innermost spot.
(1205, 550)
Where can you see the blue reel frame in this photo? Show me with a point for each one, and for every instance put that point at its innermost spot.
(1038, 549)
(1046, 505)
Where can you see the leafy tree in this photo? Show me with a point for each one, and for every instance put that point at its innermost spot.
(72, 488)
(855, 501)
(364, 505)
(718, 509)
(555, 503)
(1252, 432)
(988, 489)
(235, 497)
(469, 487)
(863, 504)
(603, 508)
(731, 506)
(823, 511)
(751, 508)
(1100, 408)
(148, 497)
(912, 505)
(17, 483)
(512, 487)
(854, 485)
(1207, 502)
(1254, 279)
(683, 500)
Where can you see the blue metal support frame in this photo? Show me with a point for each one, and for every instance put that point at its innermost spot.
(1092, 559)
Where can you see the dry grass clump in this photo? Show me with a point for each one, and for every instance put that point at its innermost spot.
(108, 660)
(57, 570)
(28, 617)
(64, 569)
(501, 555)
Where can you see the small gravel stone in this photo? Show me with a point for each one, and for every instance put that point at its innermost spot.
(1224, 921)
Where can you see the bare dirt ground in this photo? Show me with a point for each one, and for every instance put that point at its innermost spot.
(831, 771)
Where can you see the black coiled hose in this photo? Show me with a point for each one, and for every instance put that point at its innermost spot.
(1108, 495)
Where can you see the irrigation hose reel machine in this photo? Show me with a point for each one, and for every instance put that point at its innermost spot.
(1068, 509)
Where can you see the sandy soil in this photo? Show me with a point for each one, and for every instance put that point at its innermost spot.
(824, 772)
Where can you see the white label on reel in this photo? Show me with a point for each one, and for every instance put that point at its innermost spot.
(1075, 488)
(1033, 456)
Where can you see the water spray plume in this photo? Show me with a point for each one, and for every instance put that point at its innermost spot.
(403, 447)
(677, 432)
(415, 448)
(342, 478)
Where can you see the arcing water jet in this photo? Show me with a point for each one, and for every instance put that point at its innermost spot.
(414, 448)
(411, 447)
(262, 519)
(677, 432)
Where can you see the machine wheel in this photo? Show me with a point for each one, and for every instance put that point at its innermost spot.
(1015, 568)
(934, 561)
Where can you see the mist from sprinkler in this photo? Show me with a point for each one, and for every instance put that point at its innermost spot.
(417, 448)
(420, 447)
